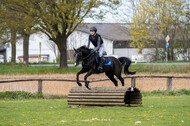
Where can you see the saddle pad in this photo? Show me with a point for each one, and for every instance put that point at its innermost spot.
(107, 61)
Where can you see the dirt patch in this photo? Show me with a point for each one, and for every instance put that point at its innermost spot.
(62, 88)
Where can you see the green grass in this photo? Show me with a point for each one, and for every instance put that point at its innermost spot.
(21, 95)
(167, 93)
(156, 111)
(140, 68)
(175, 61)
(19, 69)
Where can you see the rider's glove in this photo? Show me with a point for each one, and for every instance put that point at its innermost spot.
(92, 51)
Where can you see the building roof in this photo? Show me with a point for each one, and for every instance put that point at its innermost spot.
(111, 31)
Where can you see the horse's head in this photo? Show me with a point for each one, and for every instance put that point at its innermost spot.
(80, 53)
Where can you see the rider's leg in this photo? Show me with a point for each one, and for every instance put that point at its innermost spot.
(101, 51)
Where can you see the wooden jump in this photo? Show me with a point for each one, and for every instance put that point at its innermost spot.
(104, 96)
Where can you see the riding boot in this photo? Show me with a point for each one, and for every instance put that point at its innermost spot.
(100, 67)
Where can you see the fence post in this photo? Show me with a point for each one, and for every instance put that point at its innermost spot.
(133, 82)
(169, 83)
(40, 86)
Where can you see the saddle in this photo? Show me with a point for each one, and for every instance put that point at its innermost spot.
(106, 60)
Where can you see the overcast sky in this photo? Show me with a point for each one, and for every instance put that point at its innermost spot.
(124, 14)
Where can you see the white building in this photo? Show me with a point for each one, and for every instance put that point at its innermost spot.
(35, 39)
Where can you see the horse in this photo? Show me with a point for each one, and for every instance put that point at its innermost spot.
(90, 65)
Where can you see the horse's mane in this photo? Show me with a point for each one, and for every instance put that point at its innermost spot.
(84, 48)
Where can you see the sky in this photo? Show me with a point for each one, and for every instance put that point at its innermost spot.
(123, 14)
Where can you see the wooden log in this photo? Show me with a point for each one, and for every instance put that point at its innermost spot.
(95, 100)
(94, 91)
(104, 96)
(134, 97)
(133, 82)
(169, 83)
(40, 86)
(96, 97)
(95, 80)
(101, 88)
(96, 94)
(96, 103)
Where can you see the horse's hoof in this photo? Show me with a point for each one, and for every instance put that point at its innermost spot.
(87, 86)
(79, 84)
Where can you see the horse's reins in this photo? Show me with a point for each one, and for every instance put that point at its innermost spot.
(87, 56)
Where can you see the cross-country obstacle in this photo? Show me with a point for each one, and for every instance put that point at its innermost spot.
(104, 96)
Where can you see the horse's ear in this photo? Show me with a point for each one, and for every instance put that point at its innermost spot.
(74, 49)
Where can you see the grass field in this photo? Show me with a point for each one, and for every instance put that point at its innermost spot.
(156, 111)
(140, 68)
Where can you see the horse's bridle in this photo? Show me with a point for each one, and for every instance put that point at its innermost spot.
(85, 57)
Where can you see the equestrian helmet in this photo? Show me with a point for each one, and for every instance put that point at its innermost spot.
(93, 29)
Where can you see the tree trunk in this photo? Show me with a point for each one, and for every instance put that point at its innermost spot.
(62, 46)
(13, 45)
(171, 51)
(25, 47)
(156, 56)
(172, 54)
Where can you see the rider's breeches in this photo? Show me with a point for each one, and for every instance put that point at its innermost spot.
(101, 50)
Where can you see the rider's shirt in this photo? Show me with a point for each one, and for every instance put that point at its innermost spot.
(96, 41)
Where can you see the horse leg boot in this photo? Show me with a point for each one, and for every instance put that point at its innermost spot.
(100, 67)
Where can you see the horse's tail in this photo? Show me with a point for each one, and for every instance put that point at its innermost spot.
(126, 62)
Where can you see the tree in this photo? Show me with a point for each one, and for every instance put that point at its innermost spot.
(23, 24)
(182, 45)
(154, 20)
(9, 24)
(58, 19)
(14, 22)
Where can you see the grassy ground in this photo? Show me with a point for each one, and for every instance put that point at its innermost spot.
(156, 111)
(180, 61)
(19, 69)
(21, 95)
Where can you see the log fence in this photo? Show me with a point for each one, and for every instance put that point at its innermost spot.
(133, 80)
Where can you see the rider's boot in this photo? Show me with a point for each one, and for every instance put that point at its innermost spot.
(100, 67)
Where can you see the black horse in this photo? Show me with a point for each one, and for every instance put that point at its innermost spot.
(90, 65)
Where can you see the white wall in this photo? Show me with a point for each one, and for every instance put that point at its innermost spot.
(34, 47)
(133, 54)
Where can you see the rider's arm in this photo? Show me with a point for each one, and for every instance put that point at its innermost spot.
(88, 43)
(98, 44)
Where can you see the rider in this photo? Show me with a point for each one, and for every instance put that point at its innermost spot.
(97, 41)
